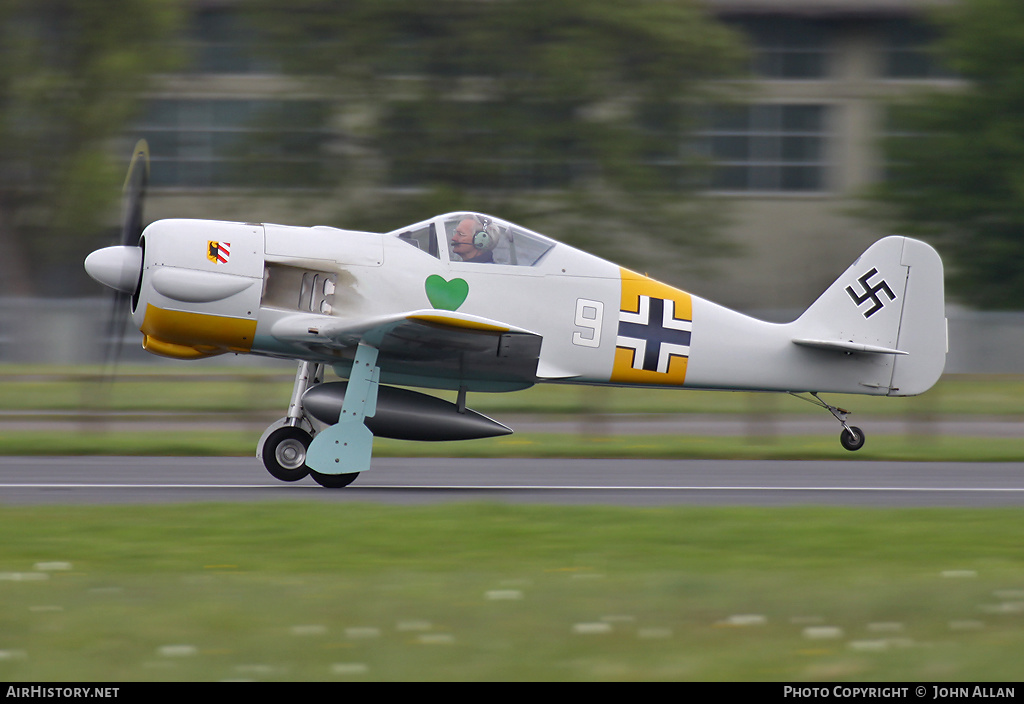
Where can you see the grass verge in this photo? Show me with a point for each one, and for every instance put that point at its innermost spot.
(509, 592)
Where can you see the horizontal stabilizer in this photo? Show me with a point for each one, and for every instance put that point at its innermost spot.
(846, 346)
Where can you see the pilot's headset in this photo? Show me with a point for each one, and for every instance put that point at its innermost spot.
(487, 235)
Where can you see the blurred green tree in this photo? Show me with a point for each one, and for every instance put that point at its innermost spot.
(955, 158)
(70, 76)
(573, 117)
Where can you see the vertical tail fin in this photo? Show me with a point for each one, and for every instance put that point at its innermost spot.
(888, 303)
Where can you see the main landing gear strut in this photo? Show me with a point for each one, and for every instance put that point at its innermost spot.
(285, 444)
(852, 437)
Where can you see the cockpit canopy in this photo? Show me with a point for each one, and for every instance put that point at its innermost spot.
(478, 238)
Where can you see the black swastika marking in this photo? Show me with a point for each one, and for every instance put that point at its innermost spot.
(870, 293)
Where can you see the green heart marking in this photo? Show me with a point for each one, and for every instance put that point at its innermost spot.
(446, 295)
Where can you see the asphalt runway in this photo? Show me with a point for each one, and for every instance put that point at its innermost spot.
(142, 480)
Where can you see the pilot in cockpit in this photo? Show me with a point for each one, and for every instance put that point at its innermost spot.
(474, 240)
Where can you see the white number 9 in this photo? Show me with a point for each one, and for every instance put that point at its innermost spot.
(589, 315)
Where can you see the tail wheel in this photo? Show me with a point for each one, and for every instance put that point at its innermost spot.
(852, 438)
(284, 453)
(334, 481)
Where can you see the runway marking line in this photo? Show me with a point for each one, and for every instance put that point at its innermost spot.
(521, 487)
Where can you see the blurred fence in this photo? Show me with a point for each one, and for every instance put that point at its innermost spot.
(59, 331)
(63, 332)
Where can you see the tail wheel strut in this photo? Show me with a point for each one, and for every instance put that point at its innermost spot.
(852, 437)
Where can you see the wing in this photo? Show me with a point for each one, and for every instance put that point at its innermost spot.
(428, 347)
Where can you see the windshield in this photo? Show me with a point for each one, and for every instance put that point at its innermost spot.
(482, 239)
(423, 237)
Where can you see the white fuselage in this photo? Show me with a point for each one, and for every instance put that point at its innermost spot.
(213, 287)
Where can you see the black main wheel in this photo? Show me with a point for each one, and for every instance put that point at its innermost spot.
(333, 481)
(284, 453)
(852, 438)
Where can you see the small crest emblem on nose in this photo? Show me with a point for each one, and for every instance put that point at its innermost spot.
(218, 252)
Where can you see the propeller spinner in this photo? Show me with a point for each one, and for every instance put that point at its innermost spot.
(117, 267)
(120, 267)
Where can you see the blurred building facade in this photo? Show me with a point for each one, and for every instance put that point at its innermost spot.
(792, 162)
(799, 158)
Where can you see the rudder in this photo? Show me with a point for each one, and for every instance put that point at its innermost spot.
(923, 330)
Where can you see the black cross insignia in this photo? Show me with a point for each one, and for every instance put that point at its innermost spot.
(654, 334)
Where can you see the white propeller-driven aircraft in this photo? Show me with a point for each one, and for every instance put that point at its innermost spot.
(469, 302)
